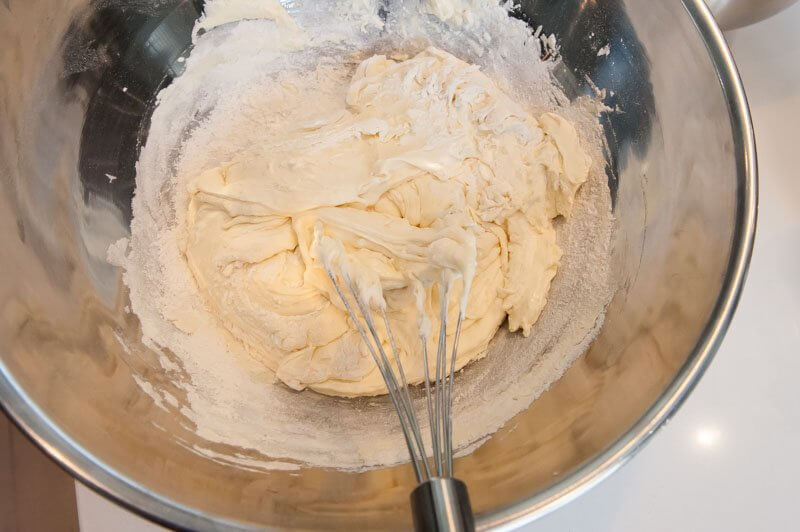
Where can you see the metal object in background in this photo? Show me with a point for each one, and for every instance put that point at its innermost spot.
(79, 81)
(732, 14)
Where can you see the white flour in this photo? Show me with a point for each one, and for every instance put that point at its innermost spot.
(231, 398)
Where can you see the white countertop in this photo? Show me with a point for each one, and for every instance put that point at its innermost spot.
(729, 460)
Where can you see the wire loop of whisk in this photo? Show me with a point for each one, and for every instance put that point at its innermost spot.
(439, 393)
(440, 501)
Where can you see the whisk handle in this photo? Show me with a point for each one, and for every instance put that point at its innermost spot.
(442, 505)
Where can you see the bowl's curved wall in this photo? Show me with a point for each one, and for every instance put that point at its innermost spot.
(681, 170)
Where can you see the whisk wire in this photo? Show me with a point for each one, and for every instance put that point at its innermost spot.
(438, 393)
(448, 415)
(402, 398)
(385, 371)
(405, 396)
(428, 400)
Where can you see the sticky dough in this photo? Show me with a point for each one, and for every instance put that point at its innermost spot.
(411, 163)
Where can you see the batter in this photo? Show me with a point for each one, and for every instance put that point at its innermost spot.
(420, 169)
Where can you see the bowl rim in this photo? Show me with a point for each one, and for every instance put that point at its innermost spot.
(106, 481)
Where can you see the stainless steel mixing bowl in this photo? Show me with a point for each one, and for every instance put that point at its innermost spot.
(77, 80)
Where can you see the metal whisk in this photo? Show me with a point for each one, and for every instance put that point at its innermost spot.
(440, 502)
